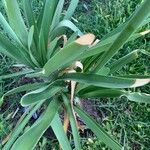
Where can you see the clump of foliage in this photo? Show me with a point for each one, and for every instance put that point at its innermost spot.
(68, 68)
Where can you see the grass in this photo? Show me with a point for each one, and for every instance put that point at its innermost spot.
(127, 121)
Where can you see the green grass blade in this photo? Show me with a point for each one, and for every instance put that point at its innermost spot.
(38, 128)
(98, 130)
(105, 81)
(60, 134)
(40, 94)
(71, 9)
(15, 19)
(129, 29)
(68, 54)
(21, 126)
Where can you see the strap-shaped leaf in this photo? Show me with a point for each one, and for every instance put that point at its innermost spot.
(30, 138)
(68, 54)
(24, 88)
(49, 10)
(103, 93)
(112, 93)
(138, 97)
(105, 81)
(71, 9)
(8, 29)
(60, 28)
(29, 12)
(57, 14)
(27, 87)
(59, 132)
(15, 19)
(40, 94)
(21, 73)
(117, 65)
(129, 29)
(73, 122)
(135, 76)
(120, 27)
(31, 19)
(20, 127)
(98, 130)
(103, 46)
(51, 48)
(11, 50)
(30, 43)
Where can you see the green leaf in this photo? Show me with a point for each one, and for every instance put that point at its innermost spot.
(71, 9)
(60, 28)
(40, 94)
(29, 12)
(104, 46)
(30, 18)
(30, 42)
(11, 50)
(103, 93)
(138, 97)
(68, 54)
(73, 122)
(21, 73)
(135, 76)
(30, 37)
(98, 130)
(105, 81)
(98, 49)
(15, 19)
(117, 65)
(129, 29)
(51, 48)
(59, 132)
(38, 128)
(8, 29)
(21, 126)
(57, 14)
(48, 13)
(26, 87)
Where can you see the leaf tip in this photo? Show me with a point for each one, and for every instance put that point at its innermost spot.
(86, 39)
(140, 82)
